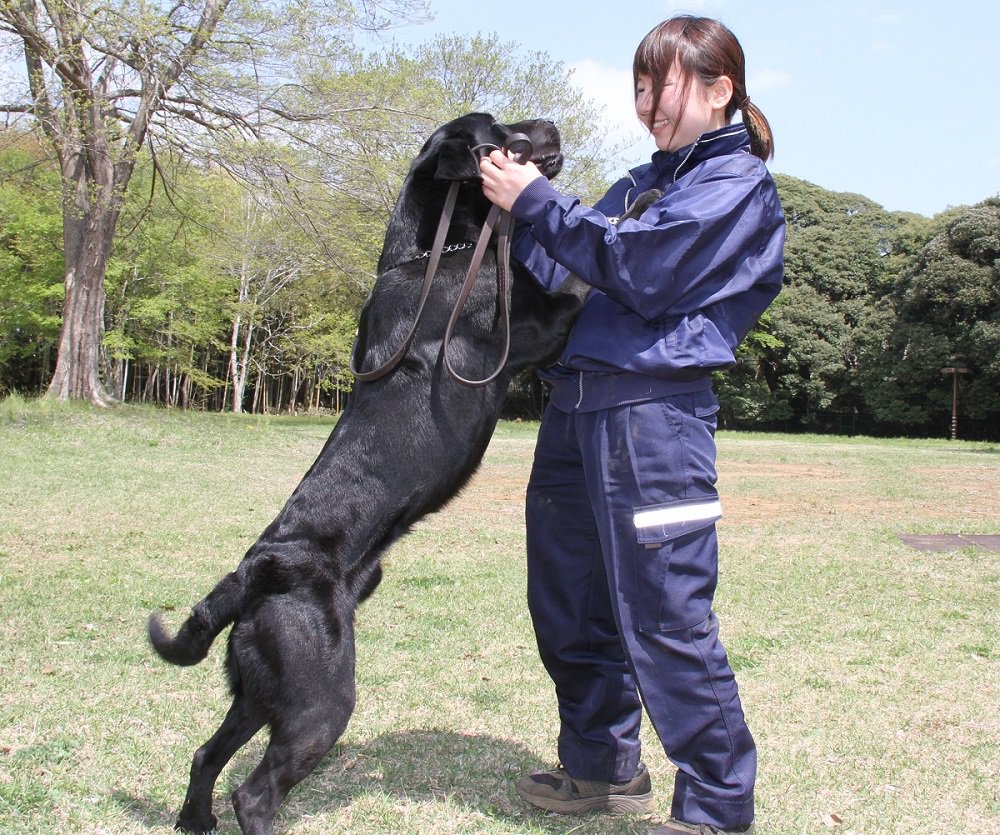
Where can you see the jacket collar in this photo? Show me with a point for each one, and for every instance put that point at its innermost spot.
(725, 140)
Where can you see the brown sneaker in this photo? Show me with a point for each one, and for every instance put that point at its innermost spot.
(556, 791)
(676, 827)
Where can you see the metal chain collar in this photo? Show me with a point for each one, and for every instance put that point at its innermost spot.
(445, 249)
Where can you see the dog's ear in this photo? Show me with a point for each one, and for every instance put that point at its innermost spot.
(455, 161)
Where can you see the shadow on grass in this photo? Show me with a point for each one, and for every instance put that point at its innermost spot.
(152, 813)
(471, 772)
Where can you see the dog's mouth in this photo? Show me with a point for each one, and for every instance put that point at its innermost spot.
(549, 164)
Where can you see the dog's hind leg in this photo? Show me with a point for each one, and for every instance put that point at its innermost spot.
(297, 745)
(235, 731)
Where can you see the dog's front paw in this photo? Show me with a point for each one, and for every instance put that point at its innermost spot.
(643, 202)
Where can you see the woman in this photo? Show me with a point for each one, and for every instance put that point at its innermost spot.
(622, 504)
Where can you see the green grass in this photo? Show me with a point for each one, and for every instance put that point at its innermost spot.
(870, 672)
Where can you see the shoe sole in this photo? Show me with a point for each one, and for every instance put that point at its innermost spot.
(617, 804)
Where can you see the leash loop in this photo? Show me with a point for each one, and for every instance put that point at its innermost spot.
(503, 222)
(519, 149)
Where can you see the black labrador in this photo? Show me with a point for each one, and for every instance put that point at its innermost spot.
(406, 444)
(408, 441)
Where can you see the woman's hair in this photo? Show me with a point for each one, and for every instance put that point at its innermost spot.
(704, 49)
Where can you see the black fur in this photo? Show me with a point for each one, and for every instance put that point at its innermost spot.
(404, 446)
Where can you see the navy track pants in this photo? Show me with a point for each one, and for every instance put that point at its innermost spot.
(622, 568)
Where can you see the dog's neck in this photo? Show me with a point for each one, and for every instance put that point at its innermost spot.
(414, 221)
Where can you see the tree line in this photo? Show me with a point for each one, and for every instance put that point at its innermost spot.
(876, 305)
(218, 298)
(202, 192)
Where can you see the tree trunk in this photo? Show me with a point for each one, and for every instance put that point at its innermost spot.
(152, 384)
(239, 360)
(91, 204)
(77, 374)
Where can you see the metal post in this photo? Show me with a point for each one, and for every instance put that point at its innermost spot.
(954, 395)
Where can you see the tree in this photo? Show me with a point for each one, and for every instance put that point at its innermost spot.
(75, 74)
(103, 79)
(842, 254)
(31, 265)
(945, 312)
(419, 88)
(745, 392)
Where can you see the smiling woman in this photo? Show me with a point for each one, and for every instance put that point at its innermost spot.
(622, 505)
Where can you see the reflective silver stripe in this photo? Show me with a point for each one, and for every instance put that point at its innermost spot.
(693, 512)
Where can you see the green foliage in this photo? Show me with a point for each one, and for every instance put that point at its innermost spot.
(842, 255)
(419, 88)
(946, 306)
(31, 263)
(745, 392)
(167, 298)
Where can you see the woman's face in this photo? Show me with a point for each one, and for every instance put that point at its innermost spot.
(679, 117)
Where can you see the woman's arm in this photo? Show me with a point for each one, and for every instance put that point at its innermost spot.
(702, 242)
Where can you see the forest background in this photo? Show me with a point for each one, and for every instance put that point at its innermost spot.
(243, 240)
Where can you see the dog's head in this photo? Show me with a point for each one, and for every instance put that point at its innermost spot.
(451, 155)
(453, 151)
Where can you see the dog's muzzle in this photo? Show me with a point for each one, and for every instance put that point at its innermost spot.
(518, 148)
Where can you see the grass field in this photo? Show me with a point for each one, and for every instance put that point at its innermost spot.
(870, 671)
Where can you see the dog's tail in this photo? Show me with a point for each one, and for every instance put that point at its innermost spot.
(208, 618)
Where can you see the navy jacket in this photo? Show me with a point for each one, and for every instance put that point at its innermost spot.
(675, 290)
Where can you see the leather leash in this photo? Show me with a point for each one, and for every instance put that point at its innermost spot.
(433, 260)
(497, 219)
(502, 221)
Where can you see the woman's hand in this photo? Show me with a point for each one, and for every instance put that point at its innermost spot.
(504, 179)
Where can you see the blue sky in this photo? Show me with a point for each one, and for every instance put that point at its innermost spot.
(898, 101)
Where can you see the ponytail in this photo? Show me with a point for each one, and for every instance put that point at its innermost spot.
(761, 138)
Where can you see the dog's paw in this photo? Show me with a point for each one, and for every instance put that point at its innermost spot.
(208, 826)
(638, 206)
(643, 202)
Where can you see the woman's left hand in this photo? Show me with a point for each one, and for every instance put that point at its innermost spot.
(504, 179)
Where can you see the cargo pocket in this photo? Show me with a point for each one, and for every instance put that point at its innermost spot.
(674, 575)
(658, 524)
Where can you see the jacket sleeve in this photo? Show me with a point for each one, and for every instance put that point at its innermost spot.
(528, 252)
(698, 245)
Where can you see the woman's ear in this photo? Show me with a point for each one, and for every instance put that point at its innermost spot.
(721, 92)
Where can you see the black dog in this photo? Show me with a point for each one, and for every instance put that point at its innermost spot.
(405, 445)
